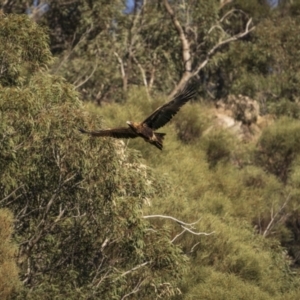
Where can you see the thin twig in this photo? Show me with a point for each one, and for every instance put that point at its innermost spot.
(273, 218)
(88, 78)
(171, 218)
(135, 289)
(5, 198)
(178, 235)
(135, 268)
(143, 76)
(186, 226)
(124, 77)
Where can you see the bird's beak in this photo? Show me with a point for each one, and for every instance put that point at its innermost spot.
(128, 123)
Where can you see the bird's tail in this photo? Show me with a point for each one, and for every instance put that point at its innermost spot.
(159, 137)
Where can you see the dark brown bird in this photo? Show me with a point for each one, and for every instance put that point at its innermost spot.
(157, 119)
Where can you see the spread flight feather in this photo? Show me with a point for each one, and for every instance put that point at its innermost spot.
(160, 117)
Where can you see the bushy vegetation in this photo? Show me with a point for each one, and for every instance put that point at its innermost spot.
(212, 216)
(235, 203)
(77, 202)
(9, 279)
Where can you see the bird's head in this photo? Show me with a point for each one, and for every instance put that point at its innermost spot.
(130, 124)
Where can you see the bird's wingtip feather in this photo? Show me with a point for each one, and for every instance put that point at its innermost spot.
(82, 130)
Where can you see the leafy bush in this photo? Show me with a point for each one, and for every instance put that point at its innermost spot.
(9, 279)
(77, 201)
(278, 147)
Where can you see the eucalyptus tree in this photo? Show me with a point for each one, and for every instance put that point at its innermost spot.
(77, 203)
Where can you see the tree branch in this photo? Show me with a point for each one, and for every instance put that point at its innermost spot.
(187, 54)
(135, 268)
(222, 43)
(184, 41)
(87, 78)
(124, 77)
(273, 218)
(8, 196)
(186, 226)
(171, 218)
(178, 235)
(135, 289)
(143, 76)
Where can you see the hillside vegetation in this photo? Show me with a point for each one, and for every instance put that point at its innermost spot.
(214, 215)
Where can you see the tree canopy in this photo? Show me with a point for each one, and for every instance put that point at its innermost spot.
(79, 222)
(215, 215)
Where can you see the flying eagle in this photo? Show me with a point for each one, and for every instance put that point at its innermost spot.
(157, 119)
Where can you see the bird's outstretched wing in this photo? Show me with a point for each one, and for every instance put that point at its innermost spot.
(119, 133)
(162, 115)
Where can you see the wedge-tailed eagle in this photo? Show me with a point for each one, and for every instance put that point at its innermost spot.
(157, 119)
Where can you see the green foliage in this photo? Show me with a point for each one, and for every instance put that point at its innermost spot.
(103, 52)
(128, 48)
(77, 201)
(278, 147)
(9, 280)
(191, 123)
(285, 107)
(217, 147)
(94, 39)
(21, 41)
(229, 199)
(264, 65)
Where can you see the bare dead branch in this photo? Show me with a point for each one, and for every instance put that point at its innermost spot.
(135, 289)
(120, 61)
(87, 78)
(151, 81)
(171, 218)
(104, 244)
(49, 204)
(192, 249)
(142, 71)
(27, 275)
(135, 268)
(186, 226)
(218, 27)
(222, 43)
(197, 233)
(8, 196)
(22, 212)
(61, 213)
(274, 217)
(178, 235)
(143, 76)
(186, 54)
(103, 278)
(123, 73)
